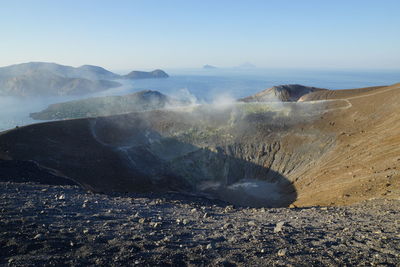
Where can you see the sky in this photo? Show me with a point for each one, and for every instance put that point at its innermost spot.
(145, 34)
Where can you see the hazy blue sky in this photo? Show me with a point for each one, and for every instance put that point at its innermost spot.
(153, 34)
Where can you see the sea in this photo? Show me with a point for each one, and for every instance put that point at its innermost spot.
(206, 85)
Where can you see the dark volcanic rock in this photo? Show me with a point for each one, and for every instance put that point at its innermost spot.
(62, 225)
(29, 171)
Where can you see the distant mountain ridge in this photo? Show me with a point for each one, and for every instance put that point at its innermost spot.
(51, 79)
(86, 71)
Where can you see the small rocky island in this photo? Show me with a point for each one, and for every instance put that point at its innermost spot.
(209, 67)
(146, 75)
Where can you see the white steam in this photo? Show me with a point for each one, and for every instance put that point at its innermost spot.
(186, 96)
(223, 101)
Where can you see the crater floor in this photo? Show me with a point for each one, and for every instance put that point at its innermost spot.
(57, 225)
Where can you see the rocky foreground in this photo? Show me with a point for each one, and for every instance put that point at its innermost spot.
(63, 225)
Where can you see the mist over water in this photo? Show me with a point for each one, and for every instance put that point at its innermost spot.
(205, 86)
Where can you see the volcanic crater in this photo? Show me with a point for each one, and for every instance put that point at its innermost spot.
(331, 148)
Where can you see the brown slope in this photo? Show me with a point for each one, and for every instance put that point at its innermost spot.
(365, 162)
(338, 94)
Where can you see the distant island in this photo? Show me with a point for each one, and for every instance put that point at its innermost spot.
(209, 67)
(146, 75)
(51, 79)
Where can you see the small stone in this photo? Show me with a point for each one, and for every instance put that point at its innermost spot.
(232, 239)
(185, 221)
(193, 210)
(228, 208)
(210, 246)
(85, 231)
(282, 252)
(205, 215)
(227, 226)
(251, 223)
(142, 220)
(278, 227)
(156, 224)
(61, 197)
(38, 236)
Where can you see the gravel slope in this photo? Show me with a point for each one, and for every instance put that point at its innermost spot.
(57, 225)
